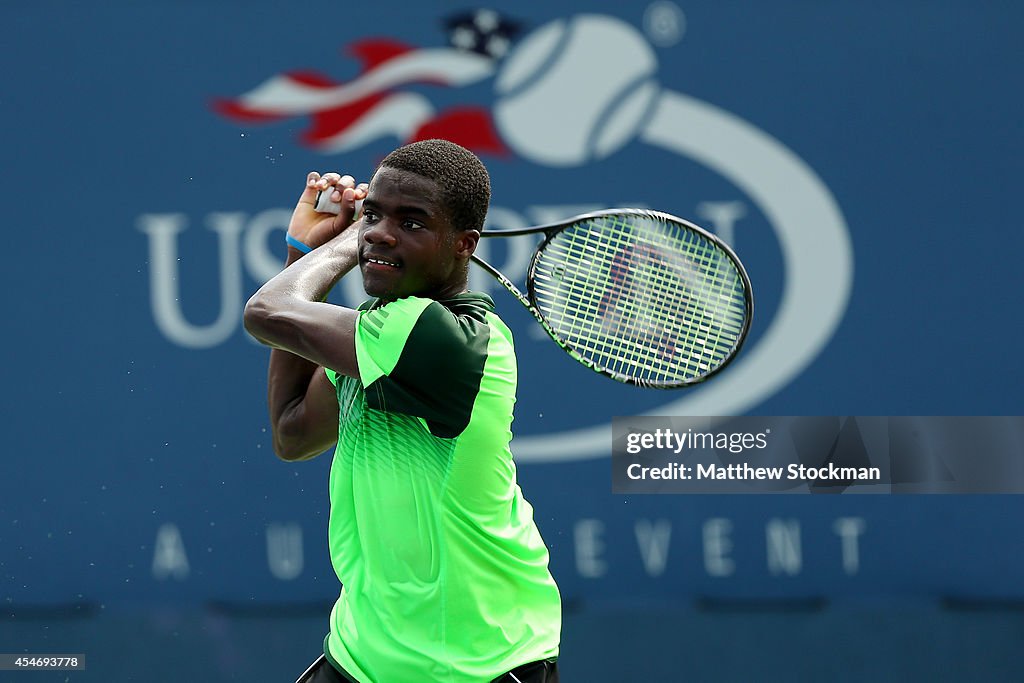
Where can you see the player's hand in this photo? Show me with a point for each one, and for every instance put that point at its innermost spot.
(313, 228)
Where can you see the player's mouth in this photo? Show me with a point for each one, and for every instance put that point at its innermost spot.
(376, 262)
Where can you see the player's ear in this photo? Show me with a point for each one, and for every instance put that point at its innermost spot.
(465, 243)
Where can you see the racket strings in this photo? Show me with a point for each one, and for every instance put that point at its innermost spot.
(641, 297)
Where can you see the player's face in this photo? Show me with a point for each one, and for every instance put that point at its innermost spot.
(407, 245)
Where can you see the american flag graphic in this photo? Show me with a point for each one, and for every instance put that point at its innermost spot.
(377, 102)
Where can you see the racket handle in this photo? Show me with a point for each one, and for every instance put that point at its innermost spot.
(323, 204)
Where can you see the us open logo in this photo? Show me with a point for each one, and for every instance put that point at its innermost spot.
(549, 109)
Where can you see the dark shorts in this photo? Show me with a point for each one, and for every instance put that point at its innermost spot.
(544, 671)
(321, 671)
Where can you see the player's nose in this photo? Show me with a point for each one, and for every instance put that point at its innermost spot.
(380, 233)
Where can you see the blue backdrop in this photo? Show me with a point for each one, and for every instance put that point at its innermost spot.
(862, 159)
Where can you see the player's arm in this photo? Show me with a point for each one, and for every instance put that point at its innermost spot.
(303, 407)
(289, 314)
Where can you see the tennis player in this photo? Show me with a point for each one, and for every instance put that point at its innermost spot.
(444, 573)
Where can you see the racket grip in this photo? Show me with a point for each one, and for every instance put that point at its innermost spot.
(323, 204)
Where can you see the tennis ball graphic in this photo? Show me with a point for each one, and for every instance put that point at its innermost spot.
(576, 90)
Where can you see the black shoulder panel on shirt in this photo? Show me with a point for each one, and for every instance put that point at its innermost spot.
(438, 374)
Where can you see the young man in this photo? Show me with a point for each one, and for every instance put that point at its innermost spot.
(444, 574)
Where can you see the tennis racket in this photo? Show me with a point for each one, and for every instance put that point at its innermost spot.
(639, 296)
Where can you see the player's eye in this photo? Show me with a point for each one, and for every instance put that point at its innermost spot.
(413, 225)
(369, 217)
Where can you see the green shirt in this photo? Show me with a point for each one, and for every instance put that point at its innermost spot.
(444, 574)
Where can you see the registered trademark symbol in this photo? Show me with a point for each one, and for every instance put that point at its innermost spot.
(664, 23)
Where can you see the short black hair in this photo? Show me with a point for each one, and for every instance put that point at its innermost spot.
(464, 182)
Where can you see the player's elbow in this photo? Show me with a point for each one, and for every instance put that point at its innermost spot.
(288, 449)
(288, 453)
(292, 443)
(294, 452)
(267, 319)
(257, 315)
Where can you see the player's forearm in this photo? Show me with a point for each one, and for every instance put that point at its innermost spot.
(288, 379)
(305, 278)
(274, 312)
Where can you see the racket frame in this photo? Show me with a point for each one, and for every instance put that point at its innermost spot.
(550, 230)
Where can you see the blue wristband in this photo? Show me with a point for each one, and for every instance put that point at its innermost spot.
(304, 248)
